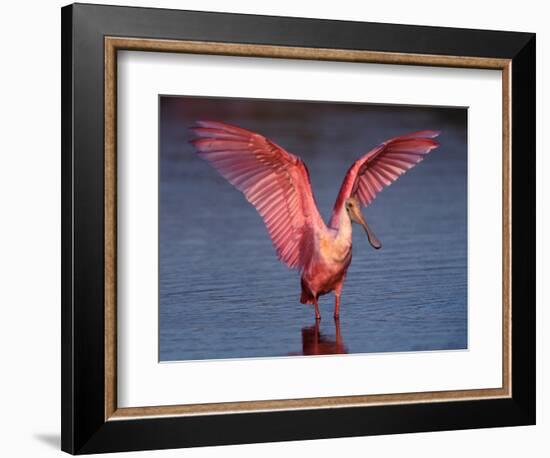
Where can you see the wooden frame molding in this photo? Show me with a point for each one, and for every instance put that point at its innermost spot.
(111, 46)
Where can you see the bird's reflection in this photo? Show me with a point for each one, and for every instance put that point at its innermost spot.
(314, 342)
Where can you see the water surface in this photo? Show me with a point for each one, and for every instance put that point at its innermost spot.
(224, 294)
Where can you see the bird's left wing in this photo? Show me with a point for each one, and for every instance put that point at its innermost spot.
(274, 181)
(381, 166)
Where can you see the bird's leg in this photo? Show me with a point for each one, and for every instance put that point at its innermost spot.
(317, 314)
(339, 342)
(337, 291)
(337, 305)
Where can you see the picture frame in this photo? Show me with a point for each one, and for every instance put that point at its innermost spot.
(92, 421)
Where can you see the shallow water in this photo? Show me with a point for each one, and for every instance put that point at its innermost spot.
(224, 294)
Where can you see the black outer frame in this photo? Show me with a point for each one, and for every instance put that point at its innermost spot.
(84, 429)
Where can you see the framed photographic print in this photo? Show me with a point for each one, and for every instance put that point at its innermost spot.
(281, 228)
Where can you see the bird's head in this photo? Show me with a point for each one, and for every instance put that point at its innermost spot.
(353, 208)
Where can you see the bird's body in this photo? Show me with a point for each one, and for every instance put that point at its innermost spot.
(277, 184)
(326, 269)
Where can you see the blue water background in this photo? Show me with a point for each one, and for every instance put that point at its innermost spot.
(224, 294)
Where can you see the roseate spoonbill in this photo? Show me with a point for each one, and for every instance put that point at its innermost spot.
(277, 184)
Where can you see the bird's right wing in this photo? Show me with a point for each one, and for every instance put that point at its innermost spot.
(381, 166)
(274, 181)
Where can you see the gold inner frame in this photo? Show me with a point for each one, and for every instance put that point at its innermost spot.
(114, 44)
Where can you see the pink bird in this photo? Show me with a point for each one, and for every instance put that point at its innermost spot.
(277, 184)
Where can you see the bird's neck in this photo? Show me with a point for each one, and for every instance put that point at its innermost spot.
(344, 227)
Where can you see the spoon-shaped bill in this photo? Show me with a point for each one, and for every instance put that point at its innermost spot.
(373, 240)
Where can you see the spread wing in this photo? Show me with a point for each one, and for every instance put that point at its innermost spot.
(381, 166)
(274, 181)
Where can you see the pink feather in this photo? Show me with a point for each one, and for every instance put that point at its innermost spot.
(381, 166)
(274, 181)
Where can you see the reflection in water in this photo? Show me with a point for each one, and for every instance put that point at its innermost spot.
(316, 343)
